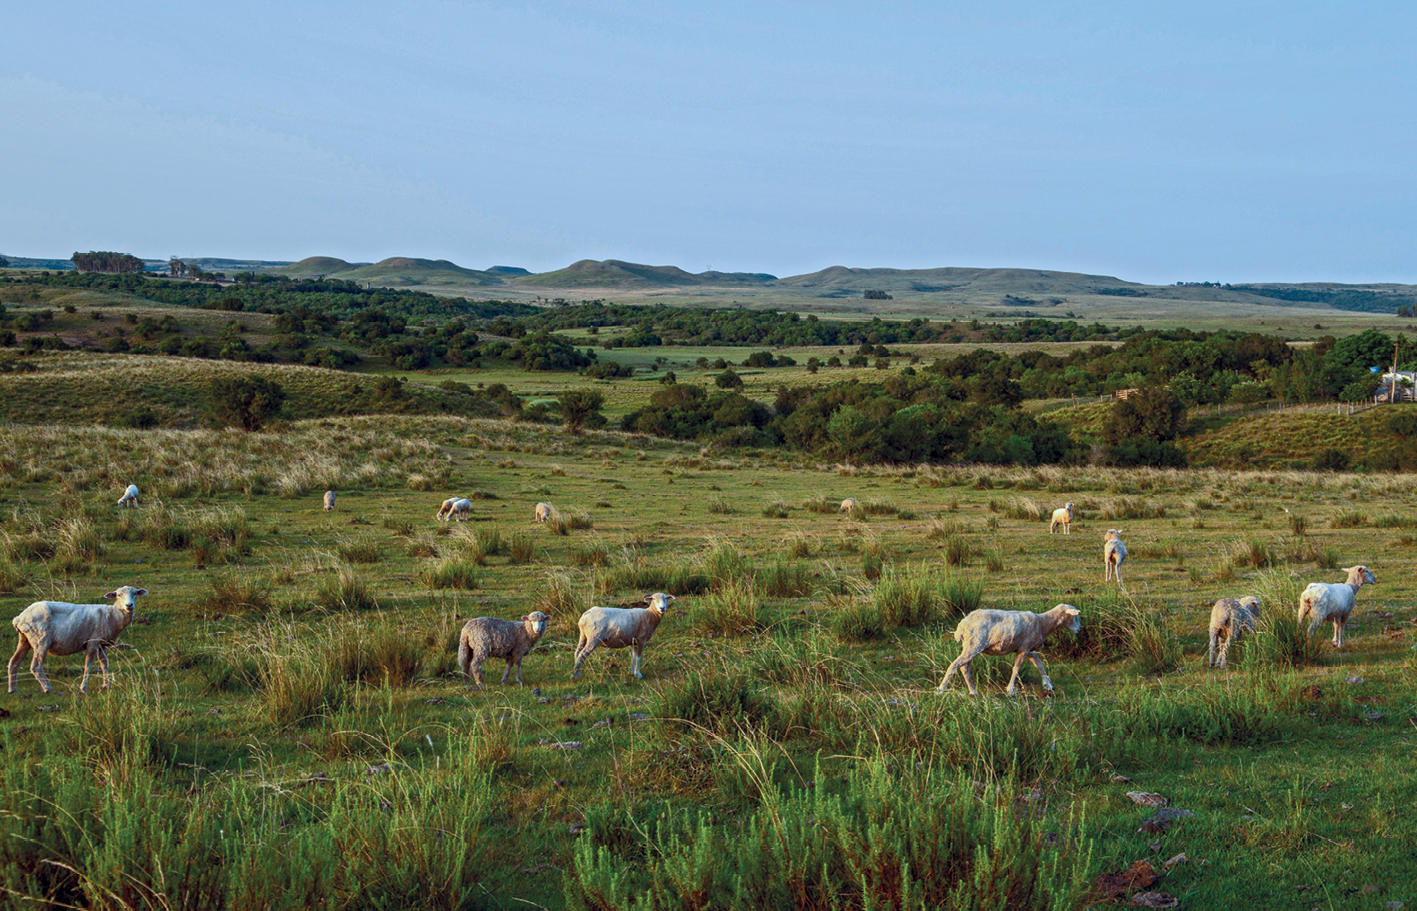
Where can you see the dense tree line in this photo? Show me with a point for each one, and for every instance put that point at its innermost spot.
(106, 261)
(1342, 299)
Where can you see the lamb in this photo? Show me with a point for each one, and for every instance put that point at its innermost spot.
(459, 507)
(329, 501)
(542, 512)
(1003, 632)
(488, 637)
(1228, 619)
(66, 629)
(1114, 552)
(130, 496)
(1063, 517)
(1333, 601)
(848, 505)
(615, 627)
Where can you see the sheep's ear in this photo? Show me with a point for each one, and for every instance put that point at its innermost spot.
(141, 591)
(1070, 610)
(111, 595)
(649, 598)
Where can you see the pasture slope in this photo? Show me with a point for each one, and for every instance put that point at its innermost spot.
(288, 728)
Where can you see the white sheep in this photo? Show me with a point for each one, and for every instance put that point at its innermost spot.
(1114, 553)
(66, 629)
(329, 500)
(615, 627)
(1005, 632)
(488, 637)
(1325, 601)
(542, 512)
(459, 507)
(1228, 619)
(130, 496)
(1063, 517)
(848, 505)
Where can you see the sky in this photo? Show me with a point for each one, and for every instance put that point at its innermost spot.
(1232, 141)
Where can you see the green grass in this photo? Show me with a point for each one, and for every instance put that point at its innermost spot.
(259, 692)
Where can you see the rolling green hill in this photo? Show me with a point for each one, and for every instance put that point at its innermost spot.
(614, 273)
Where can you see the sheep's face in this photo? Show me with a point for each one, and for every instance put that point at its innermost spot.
(538, 620)
(1251, 604)
(126, 597)
(659, 601)
(1073, 615)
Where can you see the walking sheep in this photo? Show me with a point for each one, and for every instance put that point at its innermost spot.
(1114, 552)
(848, 505)
(459, 507)
(542, 512)
(1004, 632)
(61, 628)
(1333, 601)
(488, 637)
(1063, 517)
(329, 501)
(615, 627)
(130, 497)
(1228, 619)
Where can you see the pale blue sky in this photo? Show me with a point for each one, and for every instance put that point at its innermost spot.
(1212, 141)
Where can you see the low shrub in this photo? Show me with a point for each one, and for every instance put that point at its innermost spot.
(451, 572)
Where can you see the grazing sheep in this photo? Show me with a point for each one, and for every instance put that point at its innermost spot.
(459, 507)
(542, 513)
(848, 505)
(1114, 553)
(1004, 632)
(488, 637)
(1063, 517)
(130, 496)
(615, 627)
(1228, 619)
(329, 500)
(1325, 601)
(65, 629)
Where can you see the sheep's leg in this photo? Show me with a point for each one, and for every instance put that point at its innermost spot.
(635, 662)
(968, 678)
(103, 662)
(1013, 678)
(519, 671)
(960, 664)
(464, 659)
(583, 650)
(1338, 624)
(37, 668)
(1043, 671)
(1210, 661)
(477, 671)
(20, 649)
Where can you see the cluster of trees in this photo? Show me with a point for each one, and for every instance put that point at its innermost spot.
(106, 261)
(1342, 299)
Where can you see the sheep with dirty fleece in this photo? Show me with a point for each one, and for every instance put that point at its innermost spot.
(488, 637)
(848, 505)
(61, 628)
(1322, 602)
(542, 512)
(329, 500)
(130, 497)
(615, 627)
(1062, 518)
(1230, 617)
(1007, 632)
(1114, 553)
(454, 507)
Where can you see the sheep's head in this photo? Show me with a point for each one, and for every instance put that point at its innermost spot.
(126, 597)
(1251, 604)
(1070, 615)
(1113, 534)
(538, 621)
(659, 601)
(1361, 575)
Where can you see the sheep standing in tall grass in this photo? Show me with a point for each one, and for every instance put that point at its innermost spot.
(60, 628)
(130, 497)
(542, 512)
(616, 627)
(488, 637)
(1229, 618)
(1114, 553)
(1322, 602)
(848, 505)
(1062, 518)
(1006, 632)
(329, 501)
(454, 507)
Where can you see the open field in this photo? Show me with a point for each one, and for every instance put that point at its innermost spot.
(288, 727)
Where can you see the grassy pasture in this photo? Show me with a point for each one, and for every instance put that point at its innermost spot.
(289, 702)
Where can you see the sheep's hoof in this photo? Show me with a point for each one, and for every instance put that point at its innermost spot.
(939, 691)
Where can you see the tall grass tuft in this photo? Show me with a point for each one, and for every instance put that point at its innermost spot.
(1253, 552)
(522, 548)
(906, 596)
(345, 590)
(732, 609)
(716, 700)
(237, 593)
(724, 565)
(451, 572)
(1025, 508)
(373, 654)
(295, 683)
(360, 551)
(858, 621)
(785, 579)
